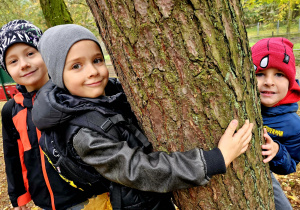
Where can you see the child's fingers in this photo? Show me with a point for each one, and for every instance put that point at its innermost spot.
(247, 141)
(242, 131)
(231, 128)
(268, 159)
(248, 134)
(247, 138)
(266, 135)
(268, 140)
(266, 153)
(244, 149)
(265, 131)
(266, 146)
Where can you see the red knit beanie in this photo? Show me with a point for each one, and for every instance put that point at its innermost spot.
(277, 53)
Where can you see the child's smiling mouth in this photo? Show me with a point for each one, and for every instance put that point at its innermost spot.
(94, 83)
(29, 73)
(267, 93)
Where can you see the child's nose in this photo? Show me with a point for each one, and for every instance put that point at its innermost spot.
(269, 81)
(24, 64)
(92, 70)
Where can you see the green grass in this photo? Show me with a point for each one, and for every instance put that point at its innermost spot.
(297, 46)
(268, 29)
(251, 43)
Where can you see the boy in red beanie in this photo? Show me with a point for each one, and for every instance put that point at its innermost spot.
(274, 64)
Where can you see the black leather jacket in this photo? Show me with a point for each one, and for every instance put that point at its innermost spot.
(158, 172)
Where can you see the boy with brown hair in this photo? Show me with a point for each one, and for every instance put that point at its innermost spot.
(80, 84)
(275, 69)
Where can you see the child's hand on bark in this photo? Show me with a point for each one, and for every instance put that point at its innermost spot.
(270, 149)
(234, 144)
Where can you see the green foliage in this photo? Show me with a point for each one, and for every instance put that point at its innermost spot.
(260, 12)
(31, 10)
(82, 15)
(269, 11)
(22, 9)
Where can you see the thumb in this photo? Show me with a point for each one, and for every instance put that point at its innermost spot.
(265, 131)
(231, 128)
(267, 137)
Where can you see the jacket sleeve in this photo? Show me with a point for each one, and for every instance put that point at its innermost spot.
(16, 186)
(157, 172)
(283, 163)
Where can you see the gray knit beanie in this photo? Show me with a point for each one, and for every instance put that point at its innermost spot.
(55, 45)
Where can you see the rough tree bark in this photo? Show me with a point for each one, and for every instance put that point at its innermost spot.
(186, 69)
(55, 12)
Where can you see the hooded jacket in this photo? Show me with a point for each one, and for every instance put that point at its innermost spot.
(29, 174)
(156, 172)
(282, 124)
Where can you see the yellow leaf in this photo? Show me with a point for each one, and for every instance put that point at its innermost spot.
(295, 198)
(101, 202)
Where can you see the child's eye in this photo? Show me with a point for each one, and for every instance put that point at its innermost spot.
(279, 75)
(30, 54)
(12, 61)
(98, 60)
(259, 74)
(76, 66)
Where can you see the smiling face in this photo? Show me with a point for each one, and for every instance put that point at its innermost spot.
(85, 73)
(273, 86)
(26, 66)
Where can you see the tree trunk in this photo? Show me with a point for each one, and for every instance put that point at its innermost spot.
(55, 12)
(186, 69)
(289, 19)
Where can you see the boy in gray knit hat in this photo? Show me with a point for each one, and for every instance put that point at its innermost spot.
(76, 66)
(29, 174)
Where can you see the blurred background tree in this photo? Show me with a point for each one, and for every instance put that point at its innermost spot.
(55, 12)
(31, 10)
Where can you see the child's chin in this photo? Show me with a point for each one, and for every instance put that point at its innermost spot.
(268, 104)
(94, 95)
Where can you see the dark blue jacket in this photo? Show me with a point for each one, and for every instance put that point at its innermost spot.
(283, 126)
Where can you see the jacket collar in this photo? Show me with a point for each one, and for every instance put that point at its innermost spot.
(279, 110)
(54, 105)
(27, 97)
